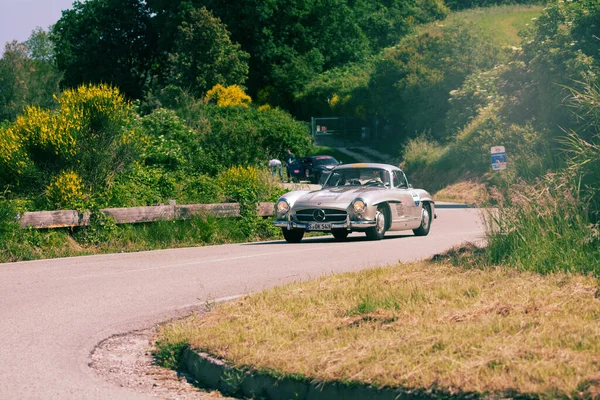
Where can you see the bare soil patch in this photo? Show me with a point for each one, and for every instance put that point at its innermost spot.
(127, 361)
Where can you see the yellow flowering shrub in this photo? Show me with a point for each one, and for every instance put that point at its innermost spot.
(41, 129)
(265, 108)
(58, 133)
(79, 107)
(66, 191)
(230, 96)
(12, 155)
(335, 99)
(92, 124)
(241, 183)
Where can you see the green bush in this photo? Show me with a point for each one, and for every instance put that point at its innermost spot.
(7, 216)
(168, 137)
(199, 189)
(247, 136)
(421, 153)
(168, 355)
(248, 186)
(140, 186)
(100, 230)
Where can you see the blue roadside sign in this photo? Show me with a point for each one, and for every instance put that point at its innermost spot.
(498, 158)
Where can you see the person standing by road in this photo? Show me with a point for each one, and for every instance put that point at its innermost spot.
(275, 166)
(289, 160)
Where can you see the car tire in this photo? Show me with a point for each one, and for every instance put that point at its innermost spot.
(340, 234)
(378, 231)
(423, 230)
(292, 235)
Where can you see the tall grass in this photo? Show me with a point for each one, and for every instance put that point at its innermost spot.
(544, 227)
(553, 224)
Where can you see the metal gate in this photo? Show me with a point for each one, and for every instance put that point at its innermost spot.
(343, 131)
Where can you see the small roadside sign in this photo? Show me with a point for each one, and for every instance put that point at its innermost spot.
(498, 158)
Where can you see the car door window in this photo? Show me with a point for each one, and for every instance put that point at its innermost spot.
(399, 180)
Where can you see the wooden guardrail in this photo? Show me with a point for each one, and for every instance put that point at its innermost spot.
(71, 218)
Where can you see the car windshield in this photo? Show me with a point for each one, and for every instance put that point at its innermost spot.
(324, 161)
(358, 177)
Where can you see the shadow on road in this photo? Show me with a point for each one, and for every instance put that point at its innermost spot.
(330, 239)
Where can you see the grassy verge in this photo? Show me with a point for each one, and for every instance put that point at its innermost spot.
(468, 192)
(425, 326)
(502, 23)
(31, 244)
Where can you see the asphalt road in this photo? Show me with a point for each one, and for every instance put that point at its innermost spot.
(53, 312)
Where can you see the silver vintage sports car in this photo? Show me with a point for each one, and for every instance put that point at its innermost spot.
(370, 198)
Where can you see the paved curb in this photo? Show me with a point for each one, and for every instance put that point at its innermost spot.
(215, 374)
(454, 205)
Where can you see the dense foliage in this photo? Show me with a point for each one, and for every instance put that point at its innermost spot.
(195, 44)
(542, 105)
(559, 59)
(28, 75)
(106, 41)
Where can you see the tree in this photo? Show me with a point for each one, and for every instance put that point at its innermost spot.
(106, 41)
(292, 41)
(27, 75)
(14, 67)
(40, 46)
(204, 55)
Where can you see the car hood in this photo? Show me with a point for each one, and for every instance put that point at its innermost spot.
(338, 196)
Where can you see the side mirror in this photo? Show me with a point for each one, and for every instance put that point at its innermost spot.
(410, 186)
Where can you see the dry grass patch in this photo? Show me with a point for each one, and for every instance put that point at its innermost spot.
(469, 192)
(418, 326)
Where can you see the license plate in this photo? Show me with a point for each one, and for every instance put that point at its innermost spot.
(319, 226)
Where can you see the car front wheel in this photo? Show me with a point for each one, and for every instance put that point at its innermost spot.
(378, 231)
(423, 230)
(292, 235)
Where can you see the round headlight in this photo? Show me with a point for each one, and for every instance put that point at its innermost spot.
(359, 206)
(283, 206)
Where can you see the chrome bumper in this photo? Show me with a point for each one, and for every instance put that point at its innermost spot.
(350, 225)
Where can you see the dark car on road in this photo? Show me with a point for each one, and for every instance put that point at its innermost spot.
(312, 168)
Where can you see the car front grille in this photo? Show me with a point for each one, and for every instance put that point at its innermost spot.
(308, 215)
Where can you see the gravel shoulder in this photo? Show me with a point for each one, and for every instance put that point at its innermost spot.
(126, 361)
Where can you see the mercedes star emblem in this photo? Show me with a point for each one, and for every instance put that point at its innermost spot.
(319, 215)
